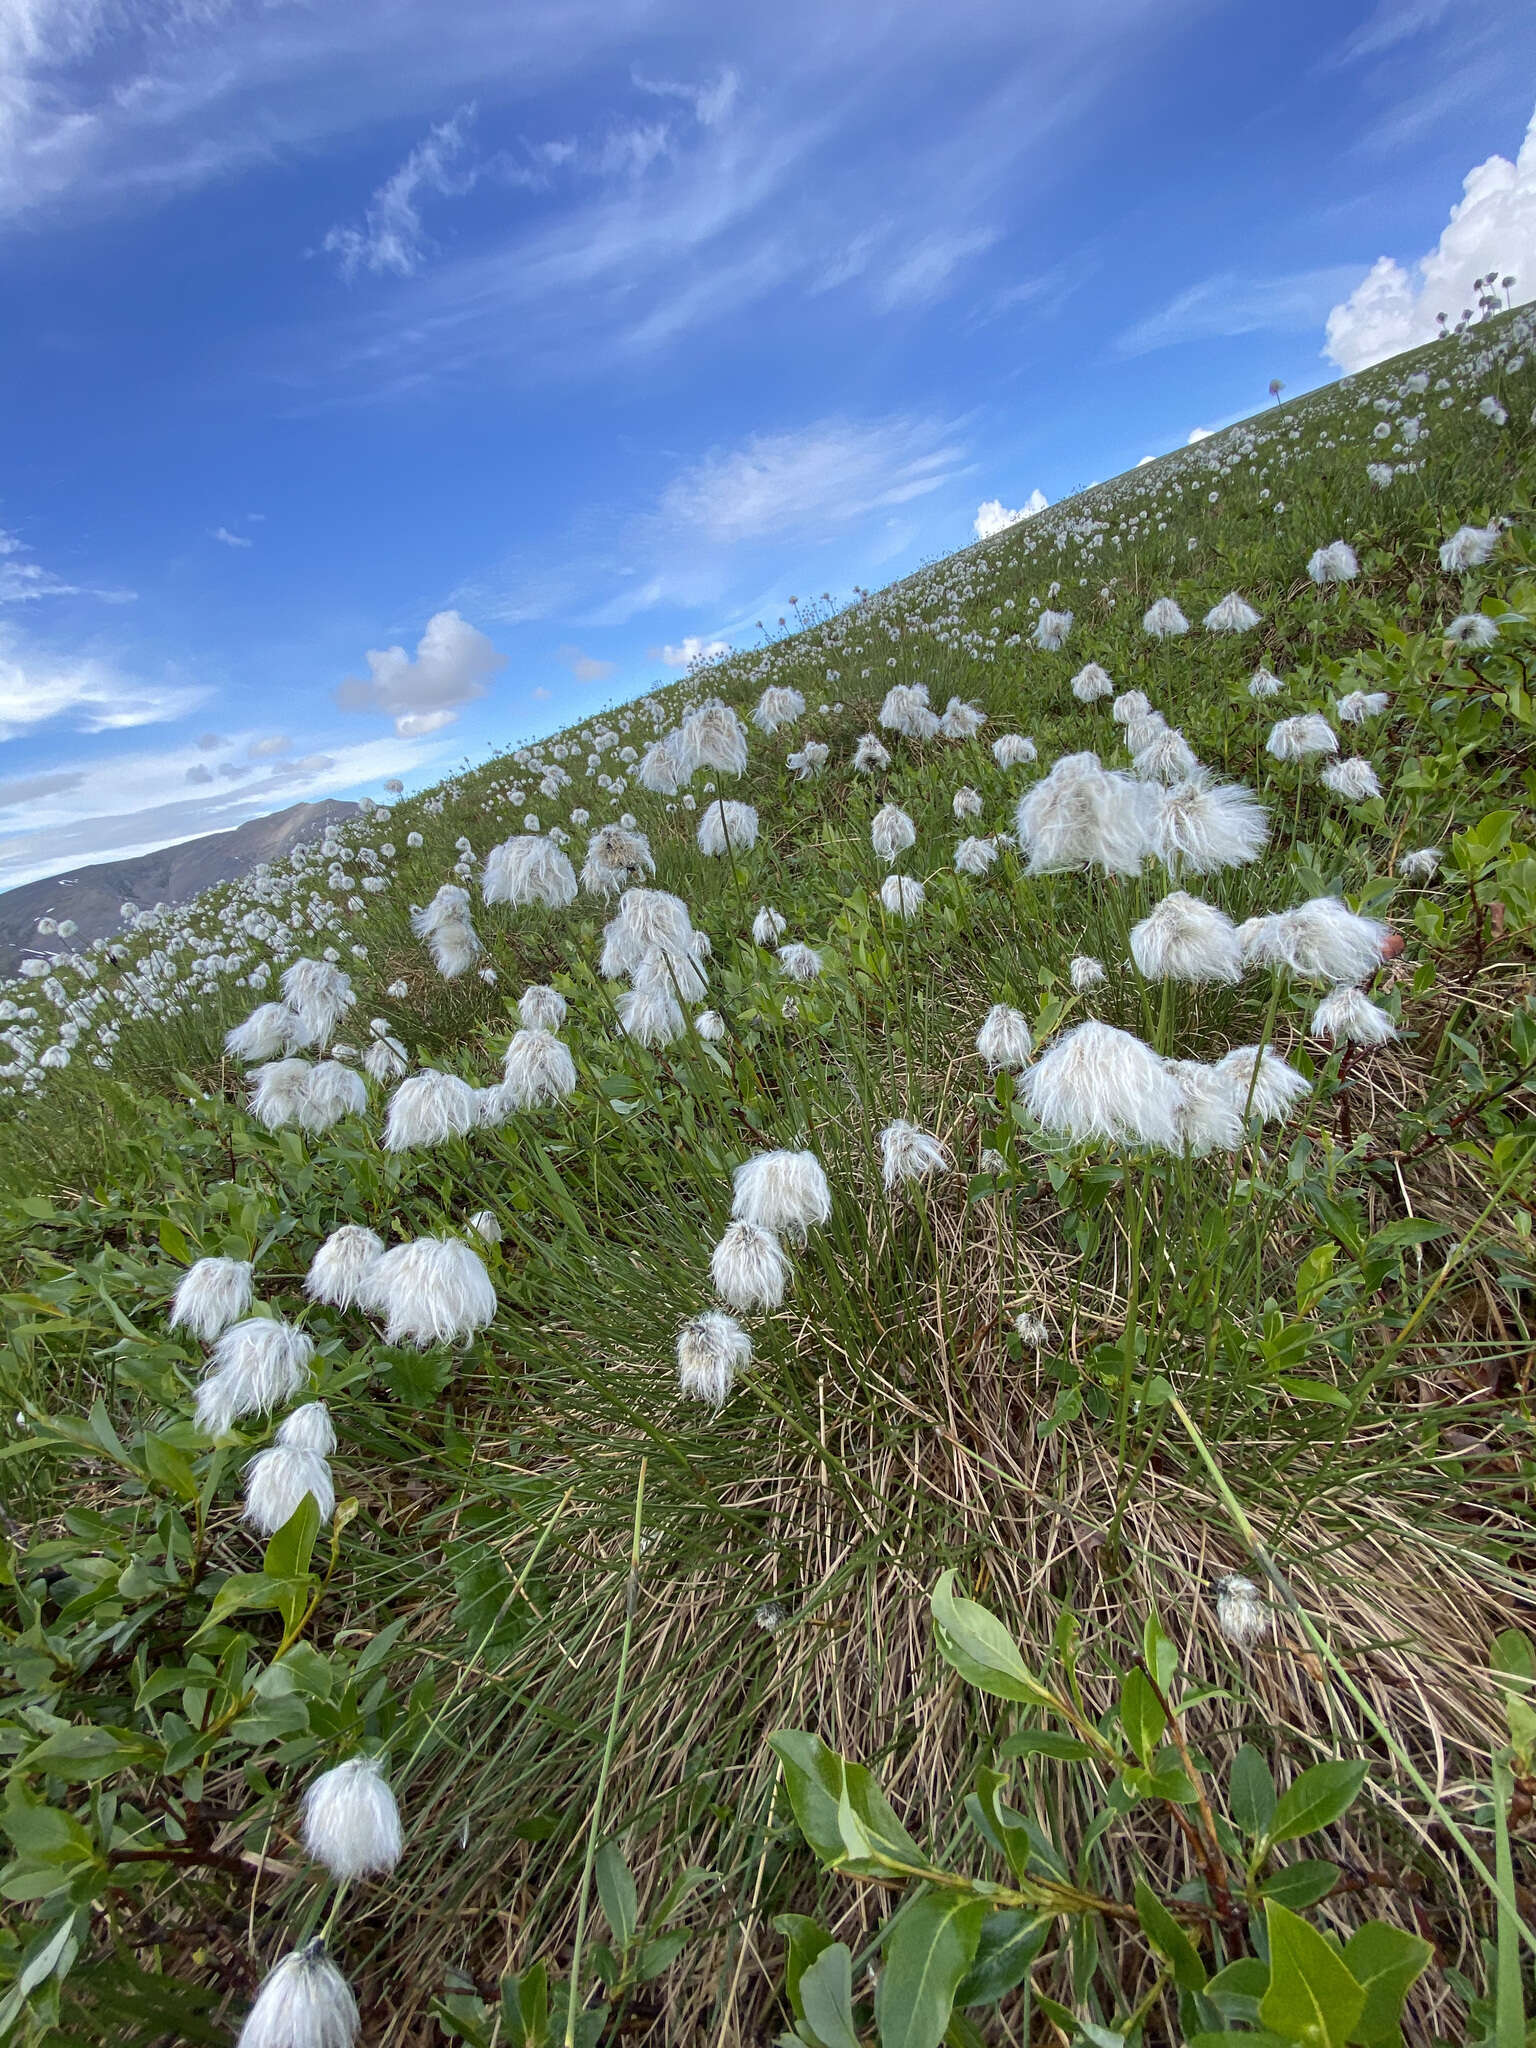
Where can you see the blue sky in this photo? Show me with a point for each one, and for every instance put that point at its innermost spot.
(390, 379)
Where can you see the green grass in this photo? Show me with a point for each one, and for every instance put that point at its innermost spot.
(1341, 1308)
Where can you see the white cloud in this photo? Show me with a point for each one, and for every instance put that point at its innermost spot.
(1229, 304)
(392, 236)
(130, 803)
(1491, 227)
(812, 480)
(711, 103)
(25, 582)
(924, 272)
(267, 749)
(232, 540)
(453, 664)
(993, 516)
(693, 647)
(36, 689)
(1199, 434)
(586, 668)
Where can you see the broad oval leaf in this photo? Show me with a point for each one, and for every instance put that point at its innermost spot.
(981, 1649)
(1316, 1800)
(929, 1947)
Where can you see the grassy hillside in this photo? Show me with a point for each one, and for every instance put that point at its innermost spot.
(1095, 1377)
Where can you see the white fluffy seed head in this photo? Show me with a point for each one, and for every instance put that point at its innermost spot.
(1353, 779)
(1300, 738)
(1167, 757)
(800, 963)
(900, 896)
(319, 994)
(909, 1153)
(1264, 683)
(1422, 865)
(528, 869)
(256, 1366)
(1082, 815)
(1184, 939)
(650, 1012)
(433, 1290)
(891, 832)
(1128, 705)
(308, 1429)
(749, 1267)
(486, 1225)
(1197, 827)
(617, 859)
(727, 828)
(351, 1820)
(1320, 940)
(277, 1092)
(428, 1109)
(270, 1031)
(966, 802)
(1163, 619)
(1359, 705)
(1261, 1084)
(974, 856)
(540, 1008)
(710, 1026)
(713, 737)
(1004, 1039)
(304, 2002)
(1014, 750)
(870, 756)
(332, 1091)
(1349, 1017)
(906, 710)
(276, 1480)
(1242, 1613)
(337, 1271)
(1086, 972)
(711, 1349)
(777, 706)
(1234, 614)
(1335, 563)
(1206, 1119)
(212, 1294)
(784, 1191)
(1100, 1083)
(1052, 630)
(537, 1070)
(961, 721)
(1092, 682)
(768, 927)
(1468, 548)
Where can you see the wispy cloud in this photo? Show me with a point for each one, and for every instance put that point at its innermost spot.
(392, 237)
(232, 540)
(586, 668)
(924, 273)
(24, 582)
(1229, 304)
(84, 693)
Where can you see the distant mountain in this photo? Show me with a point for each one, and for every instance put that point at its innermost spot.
(94, 896)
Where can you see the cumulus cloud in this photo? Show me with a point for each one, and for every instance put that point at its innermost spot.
(993, 516)
(232, 540)
(453, 665)
(1491, 227)
(1199, 434)
(586, 668)
(392, 236)
(691, 648)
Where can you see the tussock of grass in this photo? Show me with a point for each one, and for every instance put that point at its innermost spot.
(892, 1424)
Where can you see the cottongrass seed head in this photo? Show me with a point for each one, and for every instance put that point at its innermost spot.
(537, 1070)
(870, 756)
(1052, 630)
(1184, 939)
(711, 1349)
(1100, 1083)
(891, 832)
(1233, 614)
(1349, 1017)
(768, 927)
(784, 1191)
(1468, 548)
(1353, 779)
(974, 856)
(900, 896)
(1163, 619)
(308, 1429)
(1472, 629)
(1264, 683)
(909, 1153)
(777, 706)
(1335, 563)
(212, 1294)
(1128, 705)
(270, 1031)
(1242, 1613)
(1014, 750)
(1358, 705)
(800, 963)
(1085, 972)
(1421, 865)
(1199, 826)
(433, 1290)
(906, 710)
(1004, 1039)
(277, 1480)
(749, 1267)
(1320, 940)
(540, 1008)
(1092, 682)
(428, 1109)
(277, 1092)
(965, 803)
(526, 870)
(961, 721)
(304, 2002)
(337, 1273)
(726, 827)
(331, 1092)
(255, 1366)
(351, 1820)
(1261, 1084)
(1301, 738)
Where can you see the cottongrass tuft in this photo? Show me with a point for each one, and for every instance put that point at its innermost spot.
(807, 762)
(799, 962)
(1197, 827)
(777, 706)
(650, 1012)
(906, 710)
(1335, 563)
(1092, 682)
(1164, 620)
(1098, 1082)
(450, 934)
(304, 2002)
(900, 896)
(351, 1819)
(749, 1267)
(1349, 1017)
(278, 1479)
(1264, 683)
(870, 756)
(1004, 1039)
(966, 802)
(711, 1349)
(661, 768)
(528, 870)
(319, 994)
(255, 1367)
(486, 1225)
(1014, 750)
(974, 856)
(270, 1031)
(710, 1026)
(1032, 1330)
(1242, 1613)
(726, 827)
(338, 1272)
(1085, 972)
(1167, 757)
(768, 927)
(1421, 865)
(1301, 738)
(1083, 815)
(1320, 940)
(1359, 705)
(1128, 705)
(277, 1092)
(908, 1153)
(540, 1008)
(1207, 1120)
(537, 1070)
(212, 1294)
(1353, 779)
(617, 859)
(429, 1109)
(784, 1191)
(1184, 939)
(1051, 631)
(961, 721)
(714, 737)
(433, 1290)
(308, 1429)
(1468, 548)
(1262, 1084)
(331, 1092)
(891, 832)
(1472, 629)
(1233, 614)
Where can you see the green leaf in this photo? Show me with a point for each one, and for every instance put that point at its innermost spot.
(659, 1955)
(1387, 1962)
(1046, 1742)
(1514, 1663)
(843, 1814)
(170, 1468)
(242, 1591)
(1300, 1885)
(928, 1949)
(1005, 1952)
(1235, 1991)
(1316, 1800)
(1313, 1996)
(826, 1999)
(1159, 1655)
(981, 1649)
(1314, 1274)
(1141, 1715)
(1169, 1939)
(1251, 1791)
(616, 1891)
(289, 1551)
(806, 1941)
